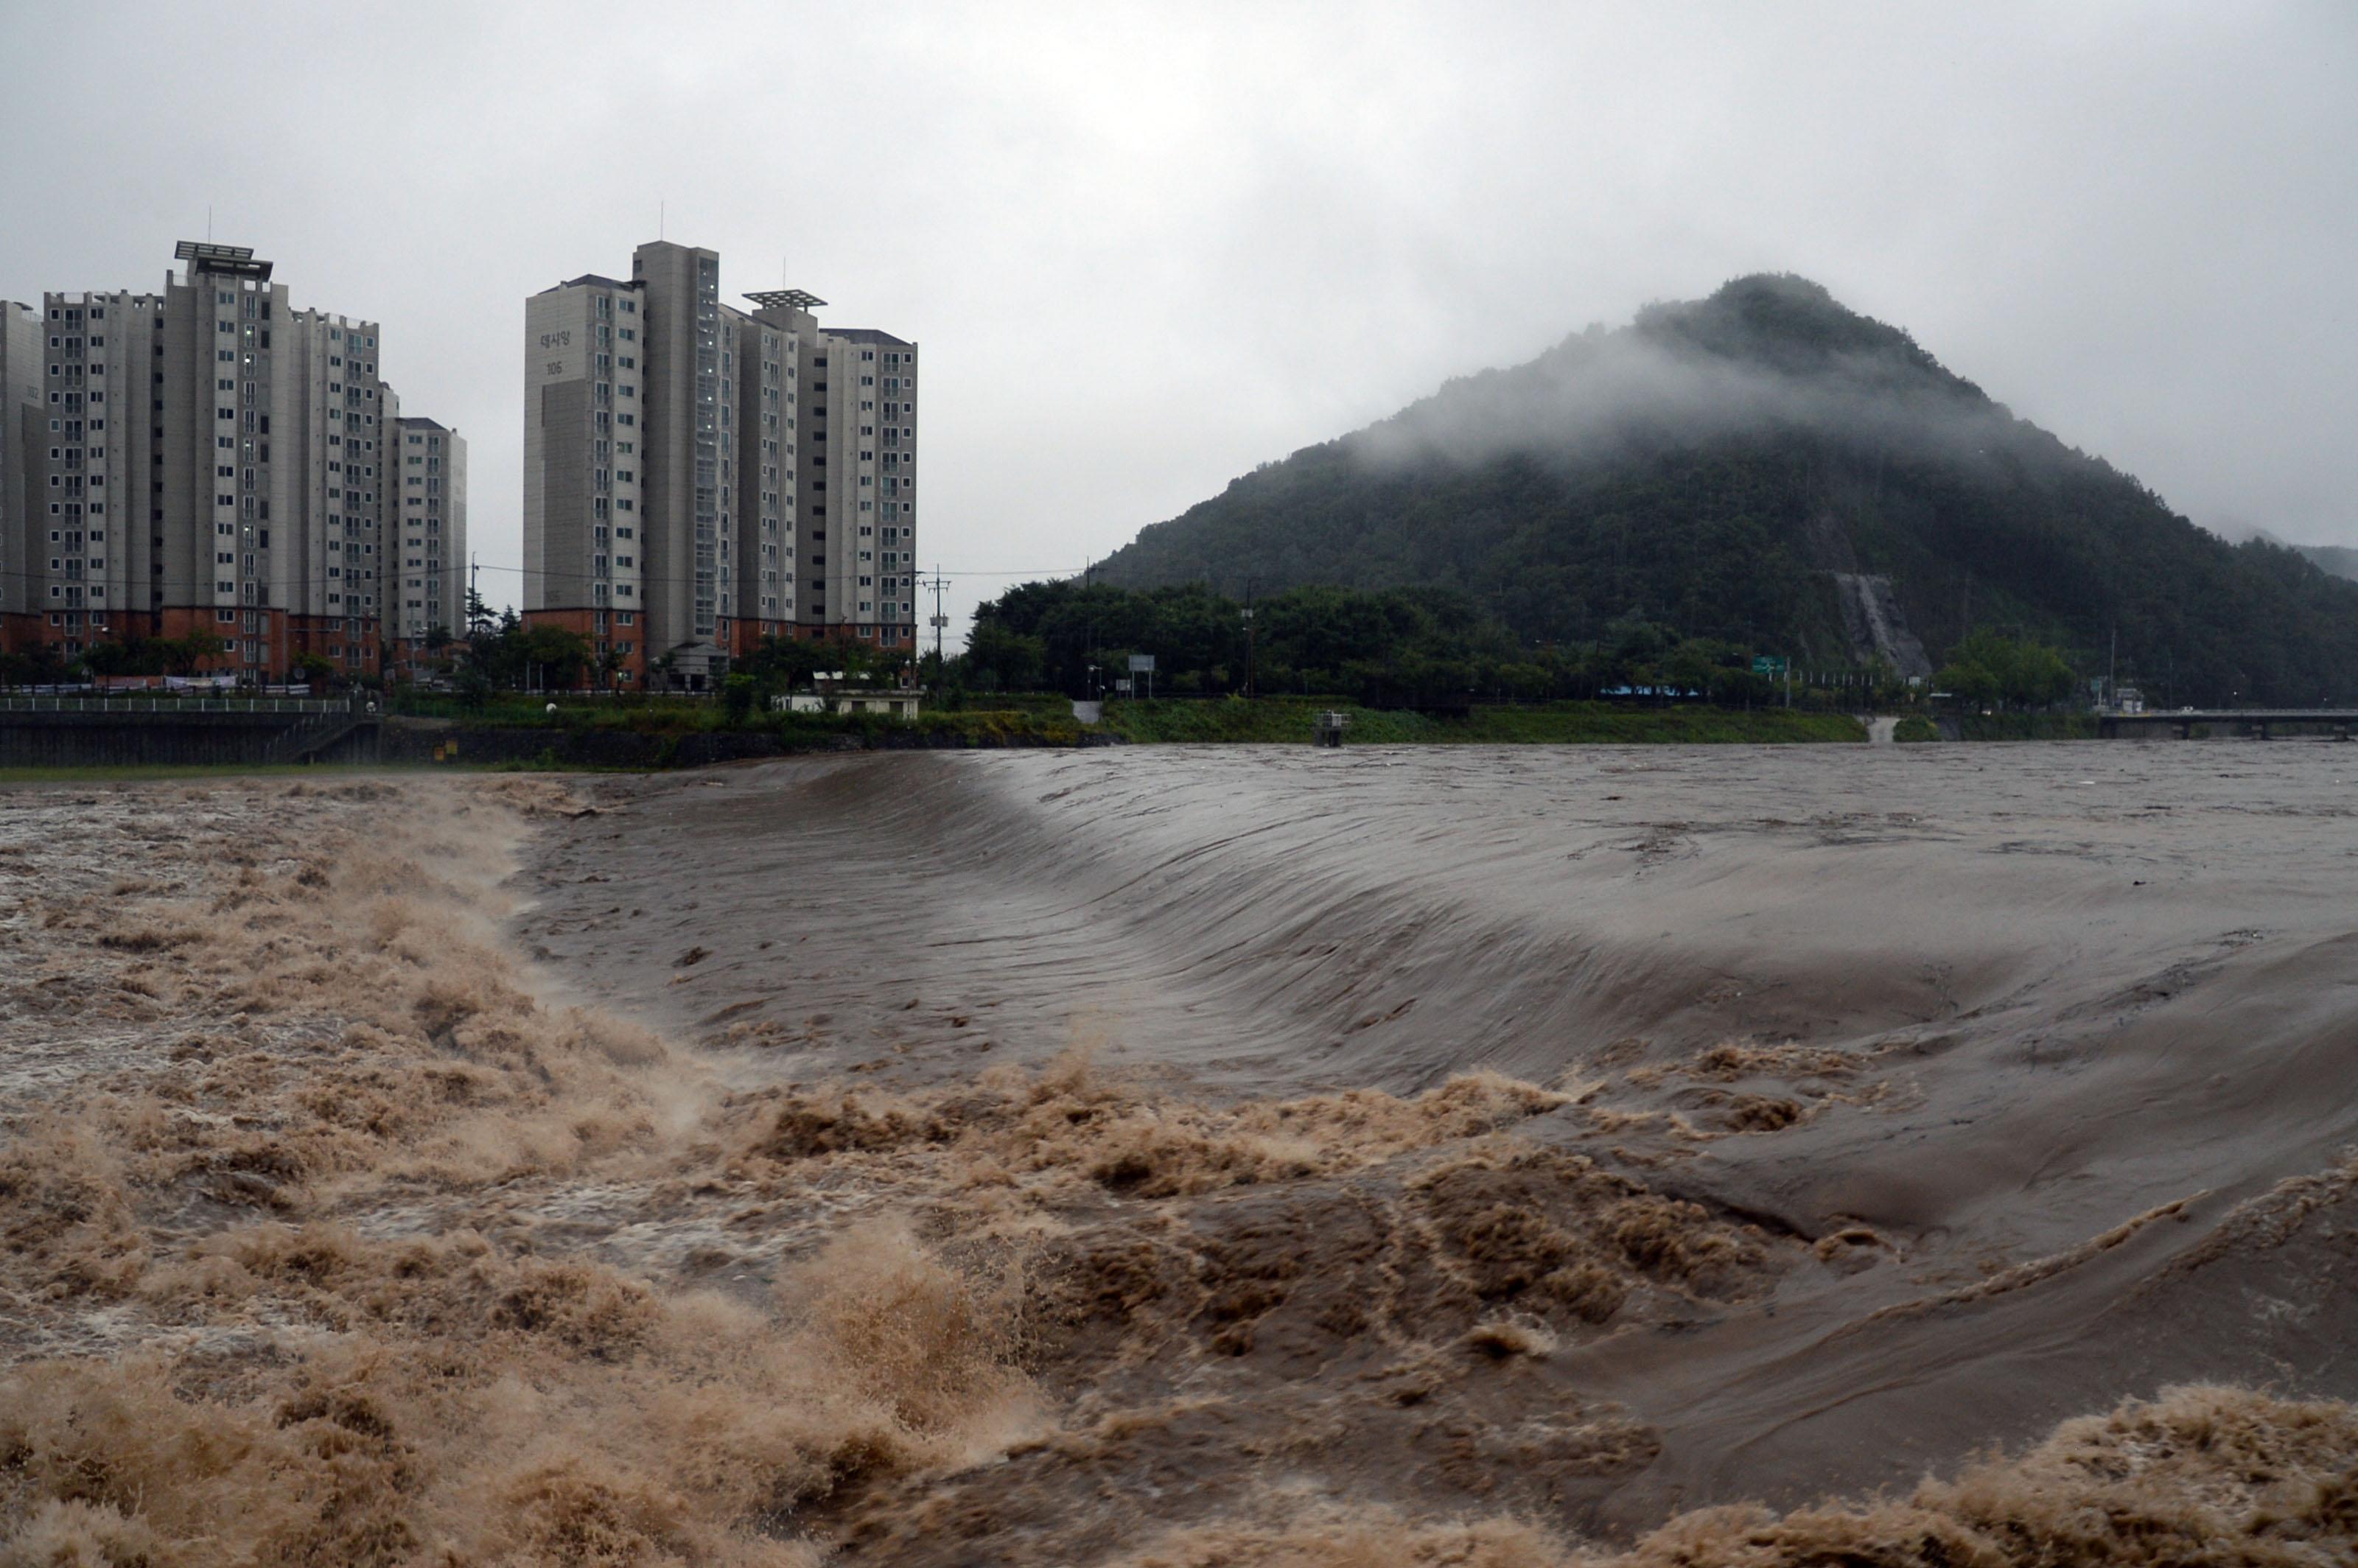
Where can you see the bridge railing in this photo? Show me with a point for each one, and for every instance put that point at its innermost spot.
(2234, 715)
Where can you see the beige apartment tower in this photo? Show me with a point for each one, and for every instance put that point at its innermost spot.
(676, 486)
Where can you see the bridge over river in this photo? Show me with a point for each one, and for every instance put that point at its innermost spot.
(2258, 722)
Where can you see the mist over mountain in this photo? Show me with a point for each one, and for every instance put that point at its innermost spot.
(2335, 560)
(1770, 468)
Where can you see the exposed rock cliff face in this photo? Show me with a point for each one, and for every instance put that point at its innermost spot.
(1876, 627)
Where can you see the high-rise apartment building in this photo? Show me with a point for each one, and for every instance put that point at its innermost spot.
(761, 553)
(425, 574)
(586, 565)
(324, 557)
(856, 502)
(668, 516)
(872, 587)
(687, 447)
(20, 413)
(85, 470)
(210, 459)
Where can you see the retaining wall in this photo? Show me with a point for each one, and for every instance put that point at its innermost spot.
(98, 739)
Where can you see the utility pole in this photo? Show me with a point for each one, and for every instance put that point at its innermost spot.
(939, 585)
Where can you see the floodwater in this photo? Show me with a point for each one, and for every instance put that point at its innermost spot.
(1194, 1156)
(2030, 1036)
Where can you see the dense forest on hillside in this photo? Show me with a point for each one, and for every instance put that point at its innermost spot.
(1421, 647)
(1710, 467)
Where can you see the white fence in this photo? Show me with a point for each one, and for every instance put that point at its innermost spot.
(149, 702)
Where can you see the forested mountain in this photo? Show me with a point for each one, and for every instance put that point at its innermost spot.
(1738, 468)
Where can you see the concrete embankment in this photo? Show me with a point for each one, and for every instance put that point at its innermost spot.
(232, 732)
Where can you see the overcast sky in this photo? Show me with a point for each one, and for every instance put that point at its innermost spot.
(1146, 247)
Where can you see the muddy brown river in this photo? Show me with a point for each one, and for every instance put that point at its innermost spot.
(1194, 1156)
(2040, 1029)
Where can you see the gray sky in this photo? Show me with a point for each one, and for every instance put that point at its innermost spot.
(1148, 246)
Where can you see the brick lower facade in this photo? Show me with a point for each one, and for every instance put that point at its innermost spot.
(263, 643)
(605, 630)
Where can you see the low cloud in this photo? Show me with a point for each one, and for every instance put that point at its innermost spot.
(1665, 381)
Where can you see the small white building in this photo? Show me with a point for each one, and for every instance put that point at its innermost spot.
(833, 693)
(902, 702)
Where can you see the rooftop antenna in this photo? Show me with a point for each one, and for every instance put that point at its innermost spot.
(209, 223)
(659, 218)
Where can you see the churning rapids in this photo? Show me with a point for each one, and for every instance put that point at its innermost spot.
(1715, 1156)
